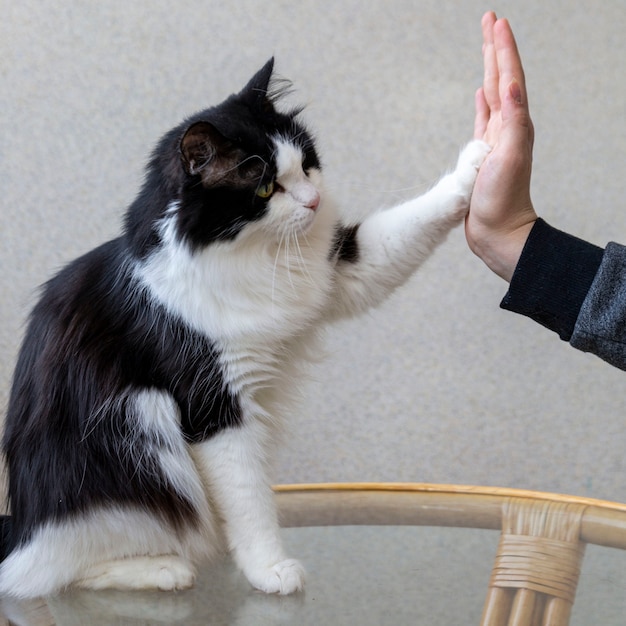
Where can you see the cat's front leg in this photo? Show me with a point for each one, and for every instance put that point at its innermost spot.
(387, 247)
(235, 471)
(448, 201)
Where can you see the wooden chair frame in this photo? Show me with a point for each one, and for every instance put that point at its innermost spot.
(542, 535)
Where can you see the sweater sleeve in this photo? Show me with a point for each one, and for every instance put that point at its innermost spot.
(601, 324)
(552, 278)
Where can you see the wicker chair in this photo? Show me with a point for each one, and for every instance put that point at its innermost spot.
(542, 541)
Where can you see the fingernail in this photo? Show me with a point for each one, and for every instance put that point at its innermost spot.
(516, 91)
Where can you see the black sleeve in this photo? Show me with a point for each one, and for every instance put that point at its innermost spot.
(552, 278)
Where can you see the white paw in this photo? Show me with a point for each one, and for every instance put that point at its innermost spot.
(166, 573)
(283, 578)
(470, 160)
(174, 576)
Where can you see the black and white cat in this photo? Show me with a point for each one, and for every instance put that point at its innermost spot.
(157, 369)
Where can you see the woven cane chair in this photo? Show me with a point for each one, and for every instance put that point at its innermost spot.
(542, 540)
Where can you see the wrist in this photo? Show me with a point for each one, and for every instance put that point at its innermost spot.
(500, 250)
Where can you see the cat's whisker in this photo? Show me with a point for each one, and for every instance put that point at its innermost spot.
(274, 269)
(302, 262)
(395, 191)
(288, 259)
(252, 157)
(223, 175)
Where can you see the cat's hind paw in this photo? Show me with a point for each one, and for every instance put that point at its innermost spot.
(283, 578)
(164, 573)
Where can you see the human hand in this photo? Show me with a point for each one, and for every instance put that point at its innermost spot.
(501, 212)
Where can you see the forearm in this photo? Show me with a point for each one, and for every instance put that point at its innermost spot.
(601, 324)
(575, 289)
(552, 278)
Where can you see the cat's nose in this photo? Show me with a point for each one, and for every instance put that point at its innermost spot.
(306, 195)
(313, 201)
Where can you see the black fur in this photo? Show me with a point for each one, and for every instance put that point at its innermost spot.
(240, 126)
(345, 246)
(6, 530)
(96, 336)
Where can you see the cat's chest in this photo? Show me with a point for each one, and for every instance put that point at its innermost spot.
(237, 299)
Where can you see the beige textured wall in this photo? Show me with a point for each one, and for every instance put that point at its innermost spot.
(439, 384)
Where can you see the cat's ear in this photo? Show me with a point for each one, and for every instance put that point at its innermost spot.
(256, 91)
(201, 145)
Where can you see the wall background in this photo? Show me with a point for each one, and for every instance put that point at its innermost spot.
(439, 384)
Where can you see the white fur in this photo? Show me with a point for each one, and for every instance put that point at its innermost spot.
(61, 554)
(255, 283)
(110, 547)
(166, 573)
(395, 242)
(237, 464)
(261, 299)
(157, 414)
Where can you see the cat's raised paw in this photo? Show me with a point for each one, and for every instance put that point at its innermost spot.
(283, 578)
(470, 160)
(464, 176)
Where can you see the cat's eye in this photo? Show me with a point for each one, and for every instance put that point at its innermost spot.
(265, 191)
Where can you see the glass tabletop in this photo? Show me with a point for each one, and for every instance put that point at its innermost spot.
(365, 575)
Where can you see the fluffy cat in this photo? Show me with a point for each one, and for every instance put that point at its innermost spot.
(156, 369)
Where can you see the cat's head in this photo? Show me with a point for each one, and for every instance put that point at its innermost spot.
(241, 164)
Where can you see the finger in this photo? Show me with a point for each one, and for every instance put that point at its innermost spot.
(482, 114)
(512, 82)
(517, 128)
(491, 78)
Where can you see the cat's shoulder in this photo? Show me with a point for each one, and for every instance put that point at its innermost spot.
(87, 280)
